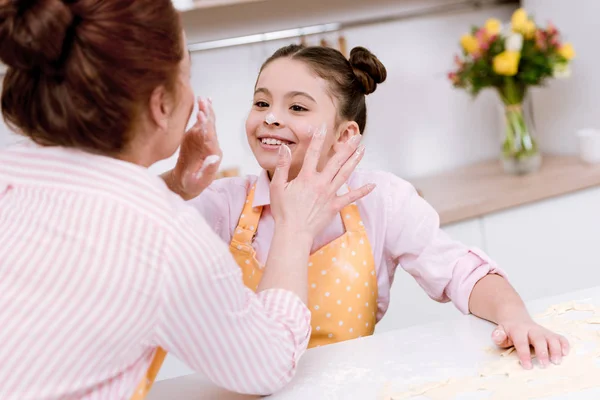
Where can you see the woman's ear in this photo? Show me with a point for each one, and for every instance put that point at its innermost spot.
(160, 108)
(347, 131)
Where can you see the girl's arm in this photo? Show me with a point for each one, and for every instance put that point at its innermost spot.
(449, 270)
(495, 300)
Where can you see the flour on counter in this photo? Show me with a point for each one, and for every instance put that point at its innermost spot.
(505, 378)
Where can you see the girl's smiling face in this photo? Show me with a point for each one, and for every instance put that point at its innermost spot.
(290, 104)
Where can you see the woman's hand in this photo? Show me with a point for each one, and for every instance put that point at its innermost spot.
(199, 156)
(308, 203)
(523, 333)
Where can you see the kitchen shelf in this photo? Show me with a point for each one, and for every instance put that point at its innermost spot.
(483, 188)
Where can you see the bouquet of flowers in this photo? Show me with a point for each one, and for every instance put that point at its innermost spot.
(510, 58)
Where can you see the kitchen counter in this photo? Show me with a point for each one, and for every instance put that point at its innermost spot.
(483, 188)
(367, 368)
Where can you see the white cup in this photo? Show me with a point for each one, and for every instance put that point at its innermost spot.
(589, 145)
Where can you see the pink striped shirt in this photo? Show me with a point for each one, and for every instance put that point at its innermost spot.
(100, 263)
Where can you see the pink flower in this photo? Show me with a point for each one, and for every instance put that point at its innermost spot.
(483, 39)
(541, 40)
(490, 40)
(481, 34)
(551, 29)
(457, 60)
(453, 76)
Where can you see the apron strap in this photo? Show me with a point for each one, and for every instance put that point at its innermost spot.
(248, 222)
(351, 216)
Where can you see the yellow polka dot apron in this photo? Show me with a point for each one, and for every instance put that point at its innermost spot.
(342, 283)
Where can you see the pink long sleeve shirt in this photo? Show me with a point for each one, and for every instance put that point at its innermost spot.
(403, 229)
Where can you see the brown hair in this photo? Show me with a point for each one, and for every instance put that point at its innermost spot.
(349, 80)
(80, 71)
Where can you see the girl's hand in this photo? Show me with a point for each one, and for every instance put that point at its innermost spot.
(199, 156)
(523, 333)
(309, 202)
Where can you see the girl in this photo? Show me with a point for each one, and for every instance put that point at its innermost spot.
(353, 260)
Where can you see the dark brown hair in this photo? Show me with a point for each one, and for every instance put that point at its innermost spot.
(349, 80)
(80, 71)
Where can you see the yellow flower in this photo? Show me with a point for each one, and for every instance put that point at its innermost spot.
(493, 26)
(529, 29)
(567, 51)
(469, 43)
(507, 63)
(518, 20)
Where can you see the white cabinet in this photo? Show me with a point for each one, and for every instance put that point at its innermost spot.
(548, 247)
(409, 305)
(173, 368)
(468, 232)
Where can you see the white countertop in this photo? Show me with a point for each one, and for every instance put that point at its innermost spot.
(369, 368)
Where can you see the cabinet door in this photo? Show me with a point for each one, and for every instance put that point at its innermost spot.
(548, 247)
(173, 368)
(409, 304)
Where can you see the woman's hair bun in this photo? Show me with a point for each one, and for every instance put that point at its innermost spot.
(33, 32)
(368, 69)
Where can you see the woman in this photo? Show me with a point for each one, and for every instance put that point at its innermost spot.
(100, 264)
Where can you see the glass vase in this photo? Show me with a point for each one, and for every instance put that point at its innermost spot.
(520, 152)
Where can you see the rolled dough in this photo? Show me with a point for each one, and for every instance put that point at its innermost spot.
(505, 378)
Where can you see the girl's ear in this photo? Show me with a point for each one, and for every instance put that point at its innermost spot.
(347, 131)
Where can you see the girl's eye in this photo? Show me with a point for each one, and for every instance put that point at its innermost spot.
(298, 108)
(261, 104)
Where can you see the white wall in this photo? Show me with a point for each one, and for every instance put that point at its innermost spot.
(418, 123)
(6, 136)
(568, 105)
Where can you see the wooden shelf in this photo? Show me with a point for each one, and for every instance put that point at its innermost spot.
(483, 188)
(198, 4)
